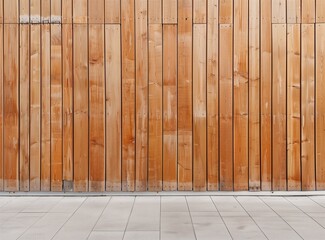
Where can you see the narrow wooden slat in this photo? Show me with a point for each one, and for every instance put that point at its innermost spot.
(24, 13)
(199, 11)
(113, 107)
(155, 108)
(320, 11)
(67, 11)
(307, 107)
(67, 73)
(96, 109)
(293, 11)
(80, 107)
(240, 95)
(1, 106)
(225, 11)
(128, 95)
(155, 11)
(1, 21)
(96, 9)
(112, 11)
(11, 11)
(169, 11)
(170, 107)
(199, 107)
(45, 11)
(46, 107)
(185, 150)
(56, 11)
(141, 98)
(226, 105)
(279, 107)
(24, 132)
(56, 107)
(212, 96)
(35, 107)
(308, 11)
(293, 107)
(320, 106)
(80, 11)
(254, 96)
(11, 107)
(266, 103)
(279, 11)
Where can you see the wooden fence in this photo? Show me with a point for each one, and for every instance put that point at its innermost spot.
(162, 95)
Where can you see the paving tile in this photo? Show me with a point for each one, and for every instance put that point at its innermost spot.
(200, 204)
(174, 204)
(5, 200)
(42, 204)
(318, 199)
(228, 206)
(176, 226)
(306, 204)
(102, 235)
(68, 205)
(145, 214)
(141, 235)
(116, 215)
(209, 225)
(18, 204)
(253, 204)
(282, 207)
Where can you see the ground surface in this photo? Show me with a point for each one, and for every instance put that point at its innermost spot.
(162, 217)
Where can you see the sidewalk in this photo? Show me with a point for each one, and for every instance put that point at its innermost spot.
(162, 217)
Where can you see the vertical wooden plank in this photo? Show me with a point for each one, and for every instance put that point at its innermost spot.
(96, 10)
(155, 108)
(1, 103)
(240, 95)
(169, 11)
(279, 107)
(80, 103)
(170, 107)
(212, 95)
(128, 95)
(112, 11)
(24, 117)
(307, 107)
(308, 11)
(56, 108)
(199, 11)
(11, 11)
(113, 107)
(45, 11)
(293, 107)
(35, 99)
(185, 95)
(1, 19)
(226, 107)
(11, 106)
(80, 11)
(24, 13)
(67, 74)
(293, 11)
(320, 11)
(96, 109)
(141, 64)
(254, 96)
(225, 11)
(155, 11)
(56, 11)
(320, 106)
(46, 107)
(199, 106)
(279, 11)
(266, 103)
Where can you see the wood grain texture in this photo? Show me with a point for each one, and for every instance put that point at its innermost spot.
(169, 107)
(213, 96)
(320, 11)
(67, 11)
(240, 95)
(199, 11)
(155, 11)
(169, 11)
(279, 11)
(96, 11)
(225, 11)
(279, 107)
(155, 108)
(80, 11)
(308, 11)
(293, 107)
(128, 95)
(308, 107)
(185, 109)
(293, 11)
(11, 107)
(113, 107)
(199, 107)
(320, 107)
(81, 108)
(112, 11)
(11, 11)
(266, 103)
(226, 107)
(1, 106)
(45, 11)
(141, 94)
